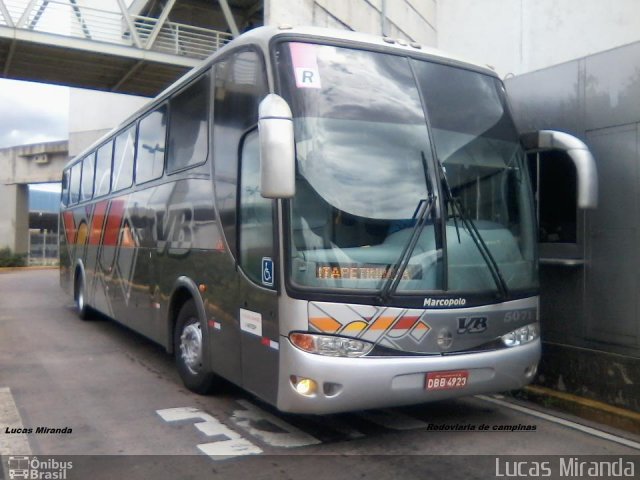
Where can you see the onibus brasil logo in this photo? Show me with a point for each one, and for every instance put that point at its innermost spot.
(36, 469)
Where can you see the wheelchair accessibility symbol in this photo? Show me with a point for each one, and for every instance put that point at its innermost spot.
(267, 271)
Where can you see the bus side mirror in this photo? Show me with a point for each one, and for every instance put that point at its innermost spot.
(277, 148)
(579, 154)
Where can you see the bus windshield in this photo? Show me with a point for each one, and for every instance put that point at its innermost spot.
(378, 136)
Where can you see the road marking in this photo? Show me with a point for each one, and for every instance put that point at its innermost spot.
(269, 428)
(340, 427)
(11, 443)
(230, 443)
(392, 420)
(562, 421)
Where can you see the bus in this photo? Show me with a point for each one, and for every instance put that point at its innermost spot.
(332, 221)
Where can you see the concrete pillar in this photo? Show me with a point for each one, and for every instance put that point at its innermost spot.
(14, 222)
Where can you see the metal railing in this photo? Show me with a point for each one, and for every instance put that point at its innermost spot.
(43, 248)
(72, 18)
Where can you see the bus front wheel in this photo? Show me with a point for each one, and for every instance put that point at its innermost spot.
(191, 351)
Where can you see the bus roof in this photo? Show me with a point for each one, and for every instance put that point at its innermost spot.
(263, 36)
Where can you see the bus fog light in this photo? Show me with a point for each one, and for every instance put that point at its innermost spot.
(304, 386)
(521, 335)
(330, 345)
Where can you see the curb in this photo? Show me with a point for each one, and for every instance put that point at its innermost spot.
(586, 408)
(35, 267)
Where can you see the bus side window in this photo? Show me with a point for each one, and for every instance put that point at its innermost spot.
(123, 156)
(189, 126)
(255, 217)
(88, 170)
(103, 169)
(240, 85)
(64, 196)
(150, 147)
(74, 190)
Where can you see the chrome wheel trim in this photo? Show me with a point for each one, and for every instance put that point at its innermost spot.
(191, 347)
(80, 297)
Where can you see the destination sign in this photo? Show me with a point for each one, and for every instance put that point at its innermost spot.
(361, 271)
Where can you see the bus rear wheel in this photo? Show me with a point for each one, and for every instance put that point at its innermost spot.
(191, 350)
(80, 300)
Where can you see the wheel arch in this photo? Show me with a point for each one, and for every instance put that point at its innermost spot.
(184, 289)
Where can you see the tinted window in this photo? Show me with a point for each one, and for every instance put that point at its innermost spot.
(188, 131)
(74, 191)
(123, 154)
(150, 146)
(240, 85)
(256, 218)
(88, 170)
(64, 197)
(103, 169)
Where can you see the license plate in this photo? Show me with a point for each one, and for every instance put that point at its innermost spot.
(447, 380)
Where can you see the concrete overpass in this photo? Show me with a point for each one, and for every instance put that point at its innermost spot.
(133, 46)
(21, 166)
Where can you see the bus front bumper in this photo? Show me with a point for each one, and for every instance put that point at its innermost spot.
(347, 384)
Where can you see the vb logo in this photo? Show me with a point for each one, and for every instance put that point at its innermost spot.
(472, 324)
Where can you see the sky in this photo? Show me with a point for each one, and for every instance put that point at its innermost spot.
(32, 113)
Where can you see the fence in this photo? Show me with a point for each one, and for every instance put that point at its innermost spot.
(43, 248)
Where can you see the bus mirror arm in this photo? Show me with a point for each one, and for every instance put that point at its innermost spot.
(277, 148)
(578, 152)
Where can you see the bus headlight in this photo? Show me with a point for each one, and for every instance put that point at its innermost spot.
(522, 335)
(332, 346)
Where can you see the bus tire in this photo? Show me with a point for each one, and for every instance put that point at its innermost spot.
(191, 351)
(80, 298)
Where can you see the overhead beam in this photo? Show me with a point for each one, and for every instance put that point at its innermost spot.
(163, 18)
(30, 37)
(25, 14)
(130, 24)
(5, 14)
(228, 16)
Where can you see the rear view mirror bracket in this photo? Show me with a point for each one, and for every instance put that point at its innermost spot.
(544, 140)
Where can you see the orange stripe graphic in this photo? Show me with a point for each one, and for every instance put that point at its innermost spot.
(128, 239)
(97, 222)
(114, 222)
(355, 327)
(382, 323)
(83, 234)
(405, 323)
(325, 324)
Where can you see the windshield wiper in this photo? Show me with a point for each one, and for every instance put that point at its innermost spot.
(473, 233)
(396, 271)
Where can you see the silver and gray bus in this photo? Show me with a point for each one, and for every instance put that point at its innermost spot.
(330, 220)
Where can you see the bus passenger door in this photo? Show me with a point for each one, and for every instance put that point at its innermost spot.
(244, 338)
(256, 259)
